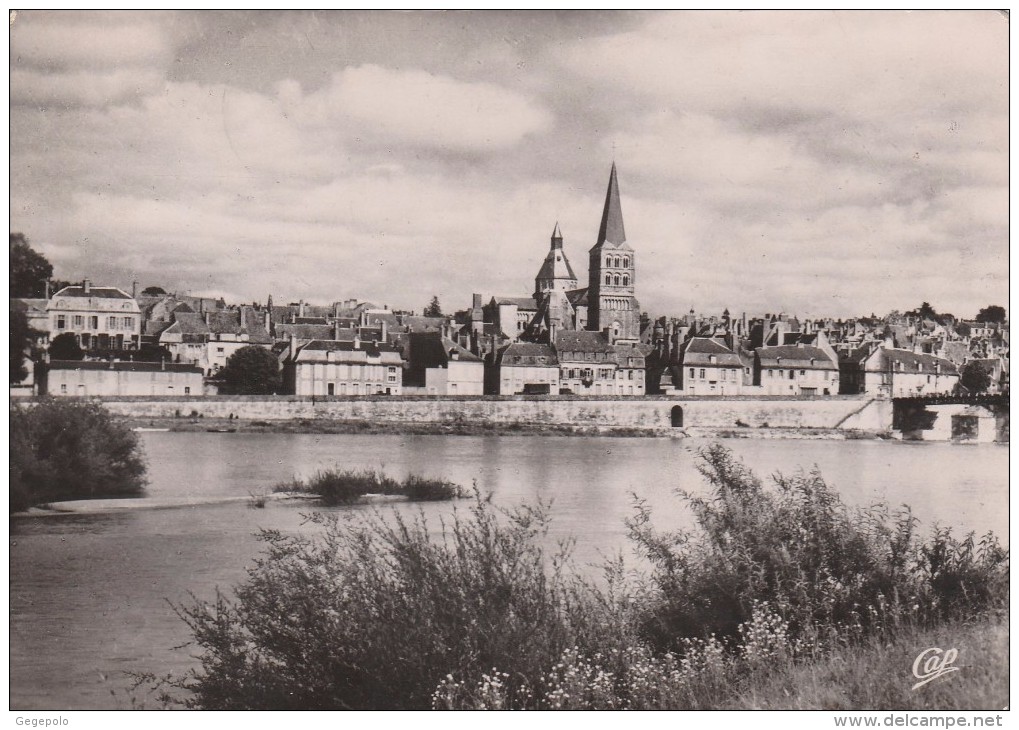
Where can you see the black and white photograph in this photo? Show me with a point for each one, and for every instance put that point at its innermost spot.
(461, 360)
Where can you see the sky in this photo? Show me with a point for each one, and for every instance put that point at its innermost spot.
(818, 163)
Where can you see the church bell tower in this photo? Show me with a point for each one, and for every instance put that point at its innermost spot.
(613, 306)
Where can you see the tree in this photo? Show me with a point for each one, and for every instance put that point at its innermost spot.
(974, 377)
(926, 311)
(29, 269)
(153, 291)
(23, 338)
(66, 347)
(68, 450)
(434, 309)
(252, 370)
(993, 313)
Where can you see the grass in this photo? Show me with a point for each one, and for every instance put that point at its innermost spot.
(878, 674)
(337, 487)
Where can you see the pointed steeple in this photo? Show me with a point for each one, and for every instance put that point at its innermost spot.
(557, 237)
(612, 216)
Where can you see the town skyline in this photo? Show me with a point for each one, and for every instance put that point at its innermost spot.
(397, 156)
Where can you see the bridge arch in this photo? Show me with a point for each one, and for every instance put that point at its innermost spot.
(677, 416)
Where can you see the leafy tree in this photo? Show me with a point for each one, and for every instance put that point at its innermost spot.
(963, 329)
(23, 338)
(252, 370)
(65, 347)
(29, 269)
(993, 313)
(434, 309)
(69, 450)
(153, 291)
(926, 311)
(974, 377)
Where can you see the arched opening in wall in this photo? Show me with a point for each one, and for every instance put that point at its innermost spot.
(677, 416)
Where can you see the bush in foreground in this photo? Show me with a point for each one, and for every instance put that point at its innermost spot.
(71, 450)
(336, 487)
(381, 613)
(377, 611)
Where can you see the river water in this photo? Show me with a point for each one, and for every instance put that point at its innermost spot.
(91, 594)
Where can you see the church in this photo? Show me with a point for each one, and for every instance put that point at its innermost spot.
(607, 305)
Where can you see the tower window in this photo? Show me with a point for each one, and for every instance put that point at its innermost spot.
(608, 280)
(626, 280)
(626, 262)
(617, 280)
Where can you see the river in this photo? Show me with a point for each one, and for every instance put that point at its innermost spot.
(91, 594)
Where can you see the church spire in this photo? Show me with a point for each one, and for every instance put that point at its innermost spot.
(557, 237)
(612, 217)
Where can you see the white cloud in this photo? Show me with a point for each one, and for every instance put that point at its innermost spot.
(428, 109)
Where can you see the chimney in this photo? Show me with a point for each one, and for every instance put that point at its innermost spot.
(241, 310)
(336, 330)
(134, 289)
(207, 318)
(87, 286)
(476, 301)
(385, 332)
(357, 341)
(162, 363)
(293, 347)
(300, 308)
(47, 289)
(268, 320)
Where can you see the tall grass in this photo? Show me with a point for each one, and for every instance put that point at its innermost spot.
(336, 487)
(383, 612)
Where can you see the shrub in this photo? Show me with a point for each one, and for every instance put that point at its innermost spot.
(827, 570)
(70, 450)
(386, 613)
(335, 487)
(378, 611)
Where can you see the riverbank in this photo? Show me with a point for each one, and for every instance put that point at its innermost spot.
(464, 428)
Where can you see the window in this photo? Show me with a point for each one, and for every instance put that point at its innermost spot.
(94, 322)
(61, 321)
(781, 373)
(626, 262)
(616, 280)
(112, 324)
(803, 372)
(771, 373)
(691, 372)
(626, 280)
(629, 374)
(219, 350)
(63, 387)
(129, 323)
(702, 372)
(330, 389)
(79, 321)
(608, 278)
(187, 390)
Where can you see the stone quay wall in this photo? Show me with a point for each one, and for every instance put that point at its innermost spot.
(651, 412)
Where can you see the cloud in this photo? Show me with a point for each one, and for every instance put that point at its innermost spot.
(428, 109)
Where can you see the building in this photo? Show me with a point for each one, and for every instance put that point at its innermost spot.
(525, 367)
(795, 370)
(329, 367)
(612, 305)
(210, 338)
(439, 366)
(100, 317)
(881, 370)
(118, 378)
(708, 367)
(587, 363)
